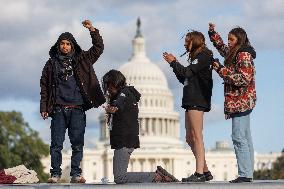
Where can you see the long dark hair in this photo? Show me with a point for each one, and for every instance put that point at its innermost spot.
(242, 41)
(115, 78)
(198, 44)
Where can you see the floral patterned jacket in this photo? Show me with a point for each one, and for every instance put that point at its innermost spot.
(238, 76)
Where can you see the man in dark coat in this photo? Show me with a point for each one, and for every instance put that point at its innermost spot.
(69, 87)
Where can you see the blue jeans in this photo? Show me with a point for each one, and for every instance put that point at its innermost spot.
(242, 142)
(75, 121)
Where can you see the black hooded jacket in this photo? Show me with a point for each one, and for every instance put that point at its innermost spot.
(83, 71)
(197, 80)
(125, 126)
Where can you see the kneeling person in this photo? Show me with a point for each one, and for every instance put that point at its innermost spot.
(122, 110)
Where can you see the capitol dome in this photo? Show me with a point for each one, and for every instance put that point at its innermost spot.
(159, 123)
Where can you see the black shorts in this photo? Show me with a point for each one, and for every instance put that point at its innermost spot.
(198, 108)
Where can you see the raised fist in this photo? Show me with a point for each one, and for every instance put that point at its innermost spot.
(211, 26)
(87, 24)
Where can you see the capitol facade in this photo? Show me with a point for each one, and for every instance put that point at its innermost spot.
(159, 132)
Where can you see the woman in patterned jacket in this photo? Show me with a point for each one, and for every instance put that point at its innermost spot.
(238, 74)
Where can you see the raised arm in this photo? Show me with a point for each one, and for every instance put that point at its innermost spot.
(97, 49)
(217, 41)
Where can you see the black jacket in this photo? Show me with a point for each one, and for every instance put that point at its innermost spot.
(197, 80)
(83, 70)
(125, 126)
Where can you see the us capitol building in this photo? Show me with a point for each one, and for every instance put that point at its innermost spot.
(159, 132)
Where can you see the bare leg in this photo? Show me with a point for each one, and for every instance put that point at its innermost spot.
(195, 120)
(189, 139)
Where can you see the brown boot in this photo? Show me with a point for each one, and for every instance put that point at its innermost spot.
(54, 179)
(77, 179)
(157, 178)
(166, 176)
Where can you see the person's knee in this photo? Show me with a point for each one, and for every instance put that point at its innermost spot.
(56, 147)
(77, 148)
(238, 140)
(77, 141)
(190, 142)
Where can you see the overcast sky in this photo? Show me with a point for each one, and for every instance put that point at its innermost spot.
(28, 28)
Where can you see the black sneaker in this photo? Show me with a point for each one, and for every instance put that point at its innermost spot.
(208, 176)
(194, 178)
(241, 179)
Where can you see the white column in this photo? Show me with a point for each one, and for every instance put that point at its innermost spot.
(143, 128)
(109, 168)
(170, 128)
(159, 162)
(163, 127)
(130, 166)
(171, 166)
(156, 126)
(142, 165)
(159, 127)
(146, 166)
(135, 165)
(177, 129)
(150, 126)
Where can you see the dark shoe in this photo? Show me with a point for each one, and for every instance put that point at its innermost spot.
(241, 179)
(194, 178)
(54, 179)
(77, 179)
(208, 176)
(167, 177)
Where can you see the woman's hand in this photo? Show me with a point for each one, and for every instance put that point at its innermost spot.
(169, 57)
(44, 115)
(110, 109)
(217, 65)
(211, 26)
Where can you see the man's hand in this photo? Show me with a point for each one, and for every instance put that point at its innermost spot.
(44, 115)
(110, 109)
(88, 24)
(168, 57)
(211, 26)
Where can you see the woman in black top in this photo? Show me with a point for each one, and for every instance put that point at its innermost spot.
(197, 92)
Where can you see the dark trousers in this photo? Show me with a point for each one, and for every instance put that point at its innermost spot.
(120, 164)
(75, 120)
